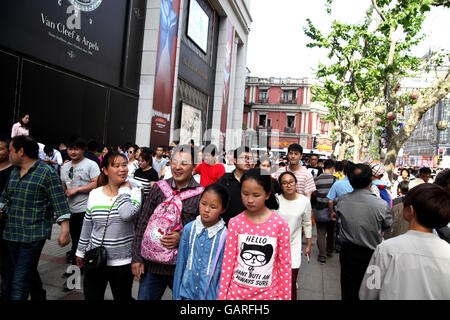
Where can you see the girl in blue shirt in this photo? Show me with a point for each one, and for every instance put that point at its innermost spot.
(200, 252)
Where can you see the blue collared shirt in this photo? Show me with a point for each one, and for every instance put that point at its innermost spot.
(340, 188)
(196, 254)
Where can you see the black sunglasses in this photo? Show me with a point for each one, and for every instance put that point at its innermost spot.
(71, 173)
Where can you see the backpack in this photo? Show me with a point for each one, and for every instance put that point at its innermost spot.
(165, 218)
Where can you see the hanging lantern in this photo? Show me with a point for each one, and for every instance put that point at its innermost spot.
(442, 125)
(391, 116)
(379, 110)
(378, 120)
(414, 95)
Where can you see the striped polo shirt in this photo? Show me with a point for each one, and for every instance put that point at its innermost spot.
(305, 180)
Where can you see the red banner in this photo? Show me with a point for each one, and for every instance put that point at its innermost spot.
(165, 72)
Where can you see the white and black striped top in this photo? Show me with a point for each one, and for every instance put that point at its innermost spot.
(144, 178)
(120, 230)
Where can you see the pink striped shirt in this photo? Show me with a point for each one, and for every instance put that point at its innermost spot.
(305, 180)
(257, 260)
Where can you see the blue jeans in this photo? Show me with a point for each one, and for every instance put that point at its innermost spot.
(152, 286)
(5, 270)
(25, 278)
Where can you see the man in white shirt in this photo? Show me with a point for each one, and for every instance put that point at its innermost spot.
(53, 158)
(159, 162)
(415, 265)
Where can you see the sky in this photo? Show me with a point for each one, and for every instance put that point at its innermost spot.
(277, 43)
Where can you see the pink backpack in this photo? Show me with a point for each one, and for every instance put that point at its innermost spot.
(165, 218)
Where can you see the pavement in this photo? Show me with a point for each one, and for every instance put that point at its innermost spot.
(315, 281)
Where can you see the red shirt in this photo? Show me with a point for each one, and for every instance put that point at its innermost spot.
(209, 174)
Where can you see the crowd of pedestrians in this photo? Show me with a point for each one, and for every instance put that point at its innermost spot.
(214, 224)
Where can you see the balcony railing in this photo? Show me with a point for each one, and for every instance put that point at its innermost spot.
(263, 100)
(289, 130)
(289, 101)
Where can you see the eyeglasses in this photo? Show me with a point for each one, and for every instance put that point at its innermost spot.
(71, 173)
(285, 183)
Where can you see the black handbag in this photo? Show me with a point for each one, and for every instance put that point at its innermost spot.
(95, 259)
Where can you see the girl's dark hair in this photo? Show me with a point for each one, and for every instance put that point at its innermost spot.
(146, 154)
(221, 191)
(265, 181)
(431, 204)
(25, 125)
(282, 175)
(108, 160)
(404, 169)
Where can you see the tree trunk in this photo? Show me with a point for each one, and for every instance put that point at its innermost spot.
(357, 147)
(432, 95)
(343, 150)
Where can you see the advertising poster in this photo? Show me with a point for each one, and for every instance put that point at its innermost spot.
(165, 72)
(191, 125)
(82, 36)
(227, 73)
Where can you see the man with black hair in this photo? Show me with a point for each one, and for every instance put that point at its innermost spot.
(243, 162)
(443, 180)
(159, 162)
(314, 167)
(424, 177)
(35, 186)
(414, 265)
(53, 158)
(305, 181)
(154, 277)
(322, 214)
(364, 217)
(90, 152)
(79, 178)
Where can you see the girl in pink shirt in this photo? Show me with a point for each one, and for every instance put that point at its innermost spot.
(257, 259)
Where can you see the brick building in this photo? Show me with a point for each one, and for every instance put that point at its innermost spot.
(279, 112)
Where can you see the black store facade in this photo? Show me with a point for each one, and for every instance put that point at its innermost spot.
(73, 65)
(197, 68)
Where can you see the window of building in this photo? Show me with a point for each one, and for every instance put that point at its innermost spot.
(263, 96)
(289, 96)
(262, 120)
(290, 121)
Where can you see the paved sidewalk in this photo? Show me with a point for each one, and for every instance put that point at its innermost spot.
(315, 281)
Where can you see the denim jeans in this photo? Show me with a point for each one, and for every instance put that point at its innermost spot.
(6, 269)
(25, 278)
(152, 286)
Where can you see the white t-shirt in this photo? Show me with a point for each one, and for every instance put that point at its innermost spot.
(82, 175)
(297, 213)
(412, 266)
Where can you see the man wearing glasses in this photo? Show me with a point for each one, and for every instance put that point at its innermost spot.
(243, 161)
(79, 177)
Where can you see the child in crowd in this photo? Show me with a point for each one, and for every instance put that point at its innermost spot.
(257, 259)
(210, 171)
(201, 248)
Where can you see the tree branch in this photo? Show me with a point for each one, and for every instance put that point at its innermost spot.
(375, 5)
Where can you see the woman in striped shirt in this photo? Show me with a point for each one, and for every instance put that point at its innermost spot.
(114, 197)
(145, 176)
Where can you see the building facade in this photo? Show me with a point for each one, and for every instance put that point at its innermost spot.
(199, 93)
(279, 112)
(116, 71)
(427, 146)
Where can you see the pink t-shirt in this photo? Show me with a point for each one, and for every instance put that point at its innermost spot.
(257, 260)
